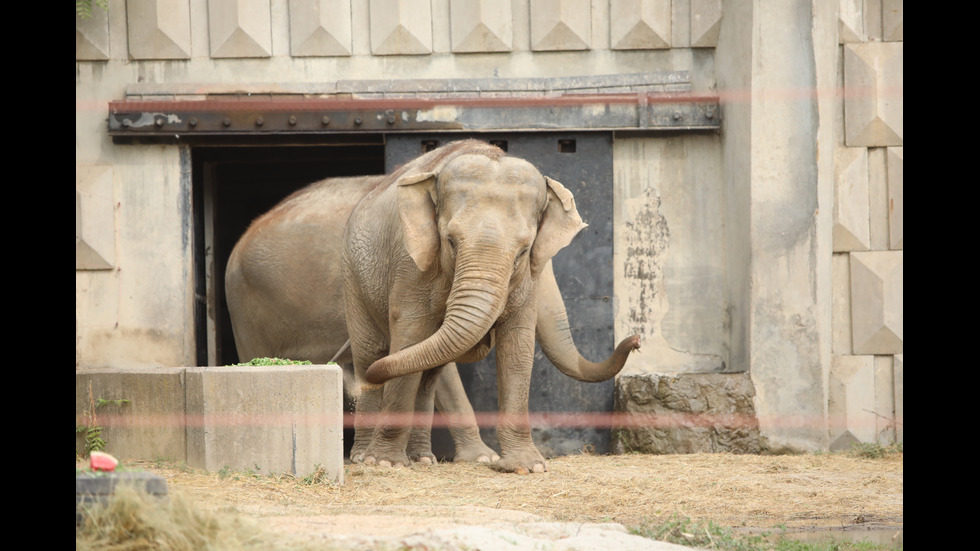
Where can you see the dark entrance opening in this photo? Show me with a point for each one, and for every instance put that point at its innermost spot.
(234, 185)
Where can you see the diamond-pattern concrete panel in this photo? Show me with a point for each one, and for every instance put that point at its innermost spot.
(92, 36)
(705, 23)
(95, 223)
(874, 94)
(884, 400)
(319, 28)
(896, 194)
(852, 231)
(850, 22)
(639, 24)
(240, 28)
(877, 303)
(401, 27)
(159, 29)
(840, 321)
(481, 26)
(878, 198)
(851, 401)
(561, 25)
(893, 20)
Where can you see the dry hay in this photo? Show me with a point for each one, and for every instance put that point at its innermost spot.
(732, 490)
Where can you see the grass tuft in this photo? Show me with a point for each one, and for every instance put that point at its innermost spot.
(875, 450)
(133, 520)
(684, 531)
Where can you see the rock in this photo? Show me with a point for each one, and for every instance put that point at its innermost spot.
(95, 488)
(686, 413)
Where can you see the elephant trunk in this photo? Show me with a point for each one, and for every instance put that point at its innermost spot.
(477, 298)
(555, 337)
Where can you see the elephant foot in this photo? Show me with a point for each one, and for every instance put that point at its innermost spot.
(371, 460)
(423, 457)
(475, 453)
(383, 458)
(420, 447)
(357, 454)
(521, 463)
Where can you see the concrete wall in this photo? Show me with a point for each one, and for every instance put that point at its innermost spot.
(272, 419)
(773, 247)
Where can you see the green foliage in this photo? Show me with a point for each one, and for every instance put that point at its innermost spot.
(102, 402)
(93, 439)
(874, 450)
(83, 8)
(254, 362)
(684, 531)
(318, 476)
(91, 429)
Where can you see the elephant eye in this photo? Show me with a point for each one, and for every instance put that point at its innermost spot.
(520, 256)
(452, 244)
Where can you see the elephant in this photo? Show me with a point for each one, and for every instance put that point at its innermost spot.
(373, 260)
(284, 292)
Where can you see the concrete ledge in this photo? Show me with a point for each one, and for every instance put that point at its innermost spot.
(270, 419)
(274, 419)
(687, 413)
(144, 414)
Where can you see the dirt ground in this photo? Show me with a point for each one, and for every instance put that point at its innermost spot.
(800, 492)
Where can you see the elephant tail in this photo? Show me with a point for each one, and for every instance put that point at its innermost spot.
(341, 351)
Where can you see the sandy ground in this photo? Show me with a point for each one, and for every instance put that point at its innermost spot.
(451, 506)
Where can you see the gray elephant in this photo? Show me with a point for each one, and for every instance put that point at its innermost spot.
(284, 291)
(409, 242)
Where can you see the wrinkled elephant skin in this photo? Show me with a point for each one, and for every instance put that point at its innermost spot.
(463, 234)
(443, 259)
(284, 290)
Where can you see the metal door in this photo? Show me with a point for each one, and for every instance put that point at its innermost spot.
(582, 162)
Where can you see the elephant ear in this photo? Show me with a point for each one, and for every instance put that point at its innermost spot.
(559, 224)
(417, 210)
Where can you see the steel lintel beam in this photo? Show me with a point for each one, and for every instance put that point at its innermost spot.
(309, 116)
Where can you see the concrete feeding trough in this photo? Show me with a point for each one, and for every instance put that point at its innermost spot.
(270, 419)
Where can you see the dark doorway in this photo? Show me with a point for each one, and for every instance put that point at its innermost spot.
(234, 185)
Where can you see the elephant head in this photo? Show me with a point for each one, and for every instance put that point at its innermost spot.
(489, 223)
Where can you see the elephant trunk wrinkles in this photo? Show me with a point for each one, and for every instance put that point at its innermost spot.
(555, 338)
(475, 302)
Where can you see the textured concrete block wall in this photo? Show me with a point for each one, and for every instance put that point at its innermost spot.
(865, 390)
(157, 29)
(277, 419)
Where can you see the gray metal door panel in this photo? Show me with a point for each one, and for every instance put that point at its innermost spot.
(583, 163)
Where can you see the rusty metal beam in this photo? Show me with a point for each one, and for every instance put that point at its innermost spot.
(313, 116)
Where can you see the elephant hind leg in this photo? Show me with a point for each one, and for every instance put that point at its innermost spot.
(367, 345)
(452, 403)
(420, 441)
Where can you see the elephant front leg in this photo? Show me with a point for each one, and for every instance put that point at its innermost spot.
(515, 357)
(365, 416)
(391, 435)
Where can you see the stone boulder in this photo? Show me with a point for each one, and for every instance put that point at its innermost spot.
(686, 413)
